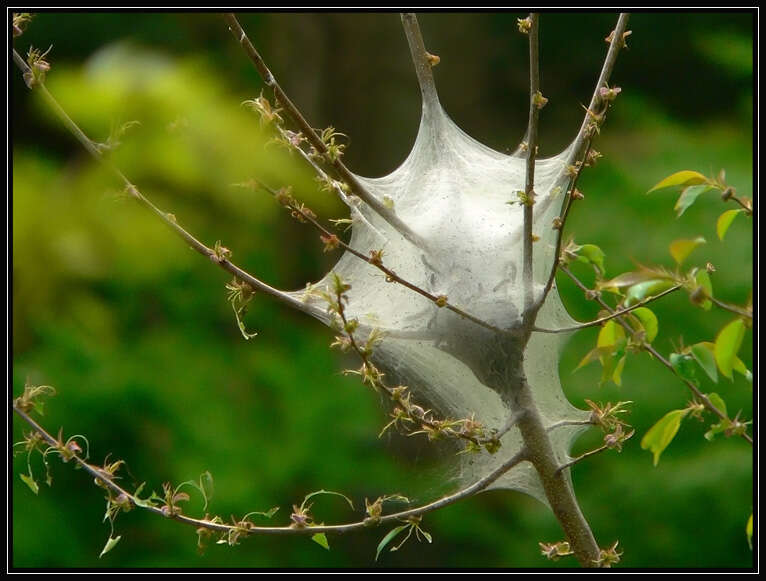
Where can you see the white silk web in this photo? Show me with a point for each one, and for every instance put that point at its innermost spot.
(453, 192)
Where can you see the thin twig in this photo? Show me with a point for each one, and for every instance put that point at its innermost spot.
(376, 205)
(731, 308)
(420, 58)
(582, 142)
(100, 476)
(581, 457)
(534, 113)
(377, 262)
(612, 315)
(651, 350)
(168, 219)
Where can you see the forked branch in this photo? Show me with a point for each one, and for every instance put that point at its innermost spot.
(316, 141)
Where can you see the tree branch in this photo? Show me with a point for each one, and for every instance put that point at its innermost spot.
(612, 315)
(582, 143)
(215, 255)
(534, 111)
(221, 527)
(376, 205)
(651, 350)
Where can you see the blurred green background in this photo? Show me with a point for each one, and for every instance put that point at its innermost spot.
(135, 332)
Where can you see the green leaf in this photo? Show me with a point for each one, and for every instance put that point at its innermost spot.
(318, 492)
(703, 280)
(592, 355)
(727, 344)
(684, 367)
(703, 353)
(321, 540)
(206, 487)
(681, 178)
(610, 335)
(688, 197)
(680, 249)
(30, 481)
(592, 254)
(749, 531)
(724, 221)
(662, 433)
(642, 291)
(627, 279)
(617, 375)
(648, 321)
(716, 400)
(110, 544)
(388, 538)
(740, 367)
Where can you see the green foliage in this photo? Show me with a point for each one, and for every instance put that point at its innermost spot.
(727, 345)
(662, 433)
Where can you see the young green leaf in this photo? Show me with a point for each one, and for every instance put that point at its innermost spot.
(681, 178)
(592, 254)
(688, 197)
(610, 334)
(717, 401)
(318, 492)
(592, 355)
(110, 544)
(206, 487)
(321, 540)
(749, 531)
(617, 374)
(702, 278)
(648, 321)
(683, 365)
(388, 538)
(727, 344)
(662, 433)
(721, 426)
(30, 481)
(680, 249)
(644, 290)
(724, 221)
(627, 279)
(740, 367)
(703, 353)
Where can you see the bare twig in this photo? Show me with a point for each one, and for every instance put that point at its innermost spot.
(535, 104)
(581, 145)
(704, 399)
(215, 254)
(375, 259)
(376, 205)
(420, 58)
(216, 526)
(612, 315)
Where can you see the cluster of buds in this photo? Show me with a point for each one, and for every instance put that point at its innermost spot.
(554, 551)
(263, 107)
(38, 67)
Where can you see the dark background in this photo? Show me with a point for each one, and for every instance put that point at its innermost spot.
(134, 330)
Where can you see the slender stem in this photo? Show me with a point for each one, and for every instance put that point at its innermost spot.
(376, 205)
(585, 135)
(109, 482)
(390, 274)
(534, 113)
(420, 59)
(731, 308)
(612, 315)
(168, 219)
(582, 457)
(654, 353)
